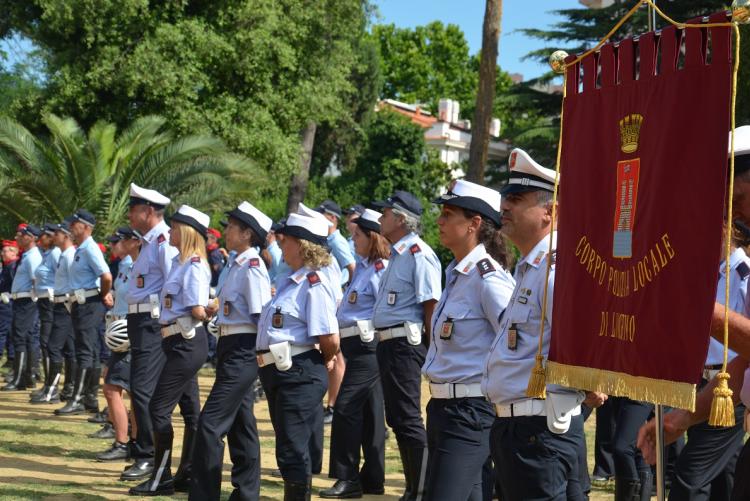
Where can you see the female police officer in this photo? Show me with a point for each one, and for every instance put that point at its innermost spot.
(467, 317)
(292, 370)
(245, 290)
(183, 307)
(358, 419)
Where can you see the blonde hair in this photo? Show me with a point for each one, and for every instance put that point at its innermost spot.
(192, 243)
(314, 256)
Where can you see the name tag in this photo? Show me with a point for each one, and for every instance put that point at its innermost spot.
(512, 337)
(391, 298)
(277, 320)
(446, 332)
(168, 301)
(140, 282)
(227, 308)
(352, 297)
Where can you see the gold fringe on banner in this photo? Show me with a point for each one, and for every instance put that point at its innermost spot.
(619, 384)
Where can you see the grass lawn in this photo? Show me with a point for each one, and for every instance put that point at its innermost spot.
(43, 457)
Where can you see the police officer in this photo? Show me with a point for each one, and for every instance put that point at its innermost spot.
(184, 299)
(61, 343)
(278, 270)
(150, 270)
(350, 215)
(466, 320)
(125, 245)
(7, 272)
(44, 283)
(215, 257)
(358, 414)
(229, 407)
(25, 313)
(292, 370)
(91, 284)
(403, 310)
(535, 451)
(705, 468)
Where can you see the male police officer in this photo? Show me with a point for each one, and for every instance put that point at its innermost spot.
(7, 272)
(536, 456)
(150, 270)
(25, 313)
(91, 283)
(408, 292)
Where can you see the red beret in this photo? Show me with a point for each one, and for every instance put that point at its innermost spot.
(21, 226)
(10, 243)
(214, 232)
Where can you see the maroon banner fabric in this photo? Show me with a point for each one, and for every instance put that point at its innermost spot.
(642, 189)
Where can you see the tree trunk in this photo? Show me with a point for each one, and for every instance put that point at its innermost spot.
(298, 186)
(480, 135)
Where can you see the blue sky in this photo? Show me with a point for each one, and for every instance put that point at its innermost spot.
(469, 15)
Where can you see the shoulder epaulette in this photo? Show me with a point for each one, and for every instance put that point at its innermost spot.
(254, 262)
(313, 278)
(743, 269)
(485, 267)
(379, 266)
(161, 238)
(414, 249)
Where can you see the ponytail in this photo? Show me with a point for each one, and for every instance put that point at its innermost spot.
(494, 242)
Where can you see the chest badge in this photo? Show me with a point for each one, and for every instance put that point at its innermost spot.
(168, 301)
(140, 282)
(391, 299)
(512, 337)
(446, 331)
(227, 308)
(277, 320)
(352, 297)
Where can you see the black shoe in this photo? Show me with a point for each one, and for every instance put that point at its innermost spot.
(98, 418)
(118, 452)
(343, 489)
(69, 384)
(377, 491)
(74, 405)
(49, 396)
(106, 431)
(141, 469)
(18, 381)
(160, 482)
(328, 415)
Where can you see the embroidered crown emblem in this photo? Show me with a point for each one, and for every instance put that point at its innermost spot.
(630, 129)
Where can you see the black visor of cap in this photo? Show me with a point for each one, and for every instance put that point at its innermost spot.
(471, 203)
(523, 187)
(304, 234)
(142, 201)
(741, 164)
(248, 220)
(192, 222)
(367, 224)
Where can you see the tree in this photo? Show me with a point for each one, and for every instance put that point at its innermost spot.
(480, 135)
(49, 178)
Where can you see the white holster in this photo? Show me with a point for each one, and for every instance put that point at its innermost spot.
(561, 407)
(187, 326)
(366, 330)
(413, 333)
(153, 299)
(282, 355)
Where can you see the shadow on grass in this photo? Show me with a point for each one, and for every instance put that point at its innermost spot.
(31, 429)
(36, 493)
(45, 450)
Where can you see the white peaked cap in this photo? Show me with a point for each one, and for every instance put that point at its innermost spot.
(741, 141)
(369, 219)
(304, 210)
(527, 175)
(192, 217)
(474, 197)
(246, 208)
(150, 196)
(308, 228)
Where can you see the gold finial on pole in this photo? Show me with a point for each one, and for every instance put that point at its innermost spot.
(557, 61)
(741, 11)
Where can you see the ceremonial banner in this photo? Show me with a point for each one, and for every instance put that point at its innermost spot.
(642, 192)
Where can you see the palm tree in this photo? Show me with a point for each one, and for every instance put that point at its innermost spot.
(46, 179)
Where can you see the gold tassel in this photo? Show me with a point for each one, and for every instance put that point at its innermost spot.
(722, 408)
(537, 387)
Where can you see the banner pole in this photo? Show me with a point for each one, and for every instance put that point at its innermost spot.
(652, 17)
(659, 411)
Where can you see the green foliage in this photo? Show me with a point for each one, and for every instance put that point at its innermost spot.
(46, 179)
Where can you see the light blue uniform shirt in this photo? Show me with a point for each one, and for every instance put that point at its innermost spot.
(342, 253)
(333, 273)
(359, 299)
(246, 290)
(350, 241)
(88, 265)
(44, 276)
(152, 267)
(739, 265)
(506, 370)
(223, 275)
(187, 285)
(62, 274)
(476, 293)
(305, 301)
(412, 277)
(24, 279)
(279, 269)
(121, 284)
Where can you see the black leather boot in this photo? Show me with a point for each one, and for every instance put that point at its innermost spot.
(19, 370)
(31, 374)
(90, 394)
(182, 476)
(627, 489)
(74, 405)
(404, 452)
(70, 379)
(298, 491)
(45, 386)
(161, 482)
(50, 395)
(646, 482)
(417, 472)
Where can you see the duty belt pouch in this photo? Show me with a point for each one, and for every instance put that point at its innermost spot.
(153, 299)
(282, 355)
(5, 297)
(51, 294)
(413, 333)
(187, 327)
(366, 330)
(560, 408)
(68, 305)
(80, 296)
